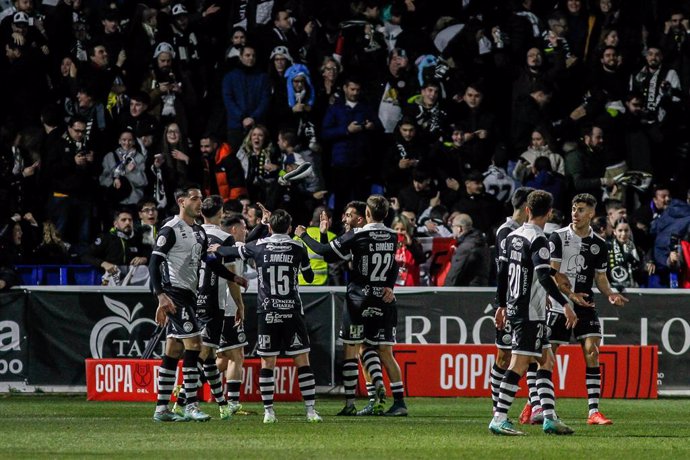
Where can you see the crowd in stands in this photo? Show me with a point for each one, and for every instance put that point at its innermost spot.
(444, 107)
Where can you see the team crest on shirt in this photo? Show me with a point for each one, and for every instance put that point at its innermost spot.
(594, 249)
(517, 244)
(506, 339)
(544, 253)
(187, 326)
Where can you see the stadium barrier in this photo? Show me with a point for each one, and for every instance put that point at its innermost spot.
(47, 333)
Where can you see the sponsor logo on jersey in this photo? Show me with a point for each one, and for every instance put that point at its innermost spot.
(371, 312)
(277, 318)
(264, 341)
(278, 247)
(356, 331)
(161, 241)
(380, 236)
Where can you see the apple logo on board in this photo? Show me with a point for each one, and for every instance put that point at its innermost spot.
(123, 318)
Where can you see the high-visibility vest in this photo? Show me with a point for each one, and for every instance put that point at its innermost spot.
(318, 265)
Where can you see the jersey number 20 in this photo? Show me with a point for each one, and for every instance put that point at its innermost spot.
(514, 275)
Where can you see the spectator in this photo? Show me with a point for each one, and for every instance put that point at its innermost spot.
(348, 125)
(478, 126)
(300, 100)
(615, 211)
(408, 254)
(671, 224)
(585, 166)
(71, 184)
(531, 113)
(278, 109)
(261, 165)
(497, 182)
(52, 250)
(625, 268)
(406, 154)
(246, 93)
(118, 251)
(540, 146)
(471, 261)
(123, 173)
(418, 195)
(486, 212)
(328, 90)
(429, 114)
(137, 117)
(543, 177)
(147, 225)
(18, 237)
(224, 170)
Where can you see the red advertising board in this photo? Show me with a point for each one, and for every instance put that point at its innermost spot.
(464, 370)
(136, 380)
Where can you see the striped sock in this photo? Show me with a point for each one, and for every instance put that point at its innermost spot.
(546, 393)
(372, 363)
(190, 373)
(509, 386)
(398, 391)
(214, 382)
(267, 386)
(166, 381)
(496, 377)
(532, 386)
(234, 391)
(371, 392)
(350, 375)
(307, 385)
(593, 382)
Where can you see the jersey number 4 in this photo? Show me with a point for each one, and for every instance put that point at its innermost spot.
(279, 279)
(381, 263)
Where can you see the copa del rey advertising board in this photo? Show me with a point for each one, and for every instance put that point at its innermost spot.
(136, 380)
(464, 370)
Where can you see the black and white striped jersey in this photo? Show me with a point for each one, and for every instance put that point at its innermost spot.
(278, 259)
(372, 251)
(213, 290)
(580, 259)
(182, 245)
(525, 251)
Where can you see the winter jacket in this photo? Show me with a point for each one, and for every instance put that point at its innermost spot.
(349, 150)
(229, 174)
(471, 261)
(246, 93)
(674, 221)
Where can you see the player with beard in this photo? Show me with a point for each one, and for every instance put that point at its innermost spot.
(371, 315)
(581, 255)
(174, 267)
(212, 302)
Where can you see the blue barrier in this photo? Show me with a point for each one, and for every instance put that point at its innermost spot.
(59, 275)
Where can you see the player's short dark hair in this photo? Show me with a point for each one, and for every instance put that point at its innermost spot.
(257, 210)
(539, 202)
(598, 224)
(233, 205)
(232, 219)
(519, 197)
(280, 221)
(614, 204)
(585, 198)
(359, 206)
(183, 192)
(378, 207)
(588, 129)
(211, 206)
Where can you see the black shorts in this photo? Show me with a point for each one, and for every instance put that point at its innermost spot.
(529, 337)
(212, 326)
(232, 336)
(183, 324)
(282, 331)
(377, 321)
(588, 325)
(504, 337)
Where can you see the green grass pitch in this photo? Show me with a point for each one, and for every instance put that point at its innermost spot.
(56, 426)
